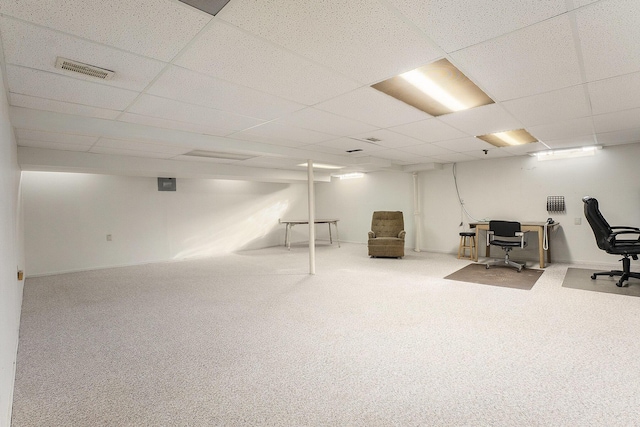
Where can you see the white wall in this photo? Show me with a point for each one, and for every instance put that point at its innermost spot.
(68, 217)
(11, 259)
(517, 189)
(353, 201)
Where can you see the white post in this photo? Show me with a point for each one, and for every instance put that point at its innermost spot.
(312, 218)
(416, 210)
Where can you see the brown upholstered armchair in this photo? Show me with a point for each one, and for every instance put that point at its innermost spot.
(386, 238)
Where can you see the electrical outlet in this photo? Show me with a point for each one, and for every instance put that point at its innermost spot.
(109, 238)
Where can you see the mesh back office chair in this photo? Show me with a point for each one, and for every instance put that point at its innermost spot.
(507, 235)
(608, 239)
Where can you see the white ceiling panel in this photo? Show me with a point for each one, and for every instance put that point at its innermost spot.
(568, 129)
(18, 100)
(154, 28)
(341, 145)
(615, 94)
(627, 136)
(475, 21)
(465, 144)
(453, 158)
(520, 150)
(141, 146)
(534, 60)
(36, 47)
(56, 137)
(491, 153)
(402, 156)
(427, 150)
(430, 130)
(615, 49)
(572, 142)
(225, 52)
(195, 88)
(274, 133)
(52, 145)
(360, 38)
(26, 81)
(620, 120)
(373, 107)
(482, 120)
(173, 124)
(321, 121)
(132, 153)
(154, 106)
(389, 139)
(559, 105)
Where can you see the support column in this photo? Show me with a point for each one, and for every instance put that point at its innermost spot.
(312, 218)
(416, 211)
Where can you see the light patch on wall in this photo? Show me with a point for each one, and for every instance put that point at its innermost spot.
(241, 229)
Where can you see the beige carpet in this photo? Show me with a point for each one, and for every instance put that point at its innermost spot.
(250, 339)
(497, 276)
(580, 278)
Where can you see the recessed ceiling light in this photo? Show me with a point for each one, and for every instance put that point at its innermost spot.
(321, 166)
(509, 138)
(437, 88)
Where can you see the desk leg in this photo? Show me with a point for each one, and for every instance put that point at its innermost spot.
(475, 257)
(289, 235)
(541, 247)
(330, 238)
(335, 224)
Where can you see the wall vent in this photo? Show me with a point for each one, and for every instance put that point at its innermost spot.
(86, 69)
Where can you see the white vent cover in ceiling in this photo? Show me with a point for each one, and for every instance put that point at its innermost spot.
(86, 69)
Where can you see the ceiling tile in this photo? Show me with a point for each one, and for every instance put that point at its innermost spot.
(18, 100)
(430, 130)
(399, 155)
(321, 121)
(427, 150)
(561, 130)
(132, 153)
(26, 81)
(619, 120)
(520, 150)
(195, 88)
(476, 21)
(465, 144)
(389, 139)
(615, 94)
(341, 145)
(359, 38)
(572, 142)
(491, 153)
(373, 107)
(627, 136)
(154, 28)
(36, 47)
(609, 34)
(274, 133)
(453, 158)
(564, 104)
(56, 137)
(534, 60)
(228, 53)
(52, 145)
(482, 120)
(154, 106)
(172, 124)
(141, 146)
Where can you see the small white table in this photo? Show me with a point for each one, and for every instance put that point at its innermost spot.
(289, 223)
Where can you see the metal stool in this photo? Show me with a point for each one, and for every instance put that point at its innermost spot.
(467, 241)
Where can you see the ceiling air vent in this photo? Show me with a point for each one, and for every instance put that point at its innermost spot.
(86, 69)
(372, 139)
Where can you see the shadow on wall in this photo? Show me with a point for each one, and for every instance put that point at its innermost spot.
(236, 232)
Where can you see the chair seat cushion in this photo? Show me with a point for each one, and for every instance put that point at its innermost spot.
(386, 241)
(504, 243)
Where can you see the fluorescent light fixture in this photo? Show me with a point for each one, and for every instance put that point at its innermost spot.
(509, 138)
(351, 175)
(437, 88)
(218, 155)
(567, 153)
(321, 166)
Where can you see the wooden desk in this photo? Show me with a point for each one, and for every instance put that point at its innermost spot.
(289, 223)
(537, 227)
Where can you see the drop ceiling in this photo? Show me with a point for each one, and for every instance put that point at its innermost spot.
(278, 82)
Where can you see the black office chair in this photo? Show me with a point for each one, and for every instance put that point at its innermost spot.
(507, 235)
(608, 240)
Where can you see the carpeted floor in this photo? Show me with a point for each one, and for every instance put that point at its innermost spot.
(251, 339)
(497, 276)
(580, 278)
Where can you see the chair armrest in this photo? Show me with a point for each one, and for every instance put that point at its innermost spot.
(626, 228)
(623, 231)
(401, 234)
(521, 234)
(372, 235)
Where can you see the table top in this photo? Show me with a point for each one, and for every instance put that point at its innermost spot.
(522, 223)
(306, 221)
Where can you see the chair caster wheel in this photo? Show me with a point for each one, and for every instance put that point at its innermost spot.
(486, 266)
(619, 284)
(593, 277)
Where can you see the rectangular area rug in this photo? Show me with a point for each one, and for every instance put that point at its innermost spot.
(497, 276)
(580, 278)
